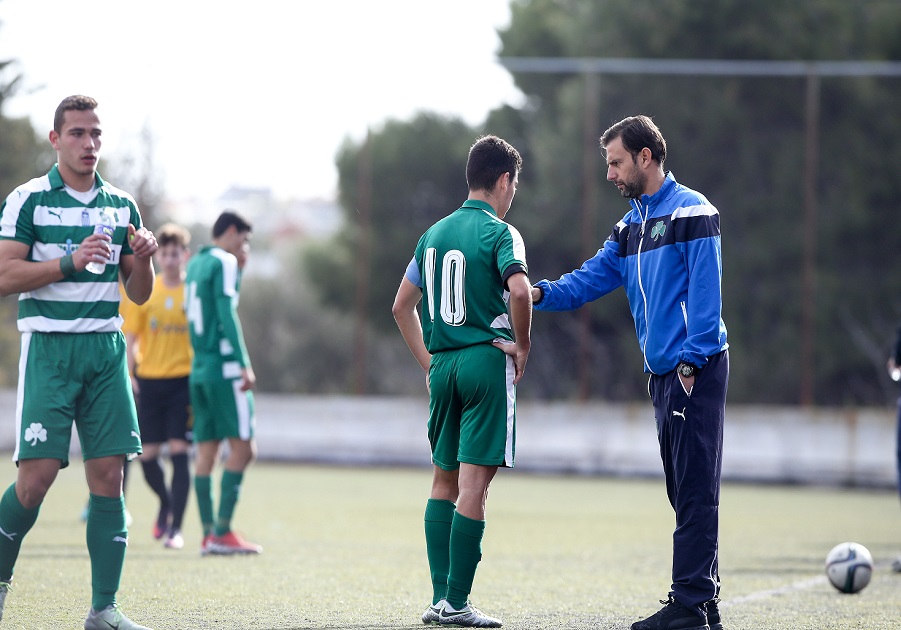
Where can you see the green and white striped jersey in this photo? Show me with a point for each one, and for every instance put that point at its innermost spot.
(211, 300)
(53, 220)
(463, 262)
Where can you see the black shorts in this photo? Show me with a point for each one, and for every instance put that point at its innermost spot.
(164, 410)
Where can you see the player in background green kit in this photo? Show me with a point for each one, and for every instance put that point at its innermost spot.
(221, 380)
(466, 269)
(73, 355)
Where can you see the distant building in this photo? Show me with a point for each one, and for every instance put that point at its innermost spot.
(278, 225)
(276, 219)
(253, 203)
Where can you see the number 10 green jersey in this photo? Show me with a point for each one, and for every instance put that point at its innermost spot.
(463, 262)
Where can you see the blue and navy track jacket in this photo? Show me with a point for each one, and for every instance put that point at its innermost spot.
(666, 253)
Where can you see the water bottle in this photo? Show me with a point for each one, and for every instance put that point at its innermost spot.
(104, 226)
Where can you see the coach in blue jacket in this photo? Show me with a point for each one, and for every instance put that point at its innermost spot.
(666, 254)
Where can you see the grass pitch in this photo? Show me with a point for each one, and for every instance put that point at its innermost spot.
(344, 548)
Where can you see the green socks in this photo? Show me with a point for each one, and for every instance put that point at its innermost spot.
(107, 540)
(203, 489)
(15, 521)
(465, 553)
(229, 490)
(438, 517)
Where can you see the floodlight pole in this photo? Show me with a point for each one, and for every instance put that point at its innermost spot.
(592, 67)
(590, 159)
(811, 206)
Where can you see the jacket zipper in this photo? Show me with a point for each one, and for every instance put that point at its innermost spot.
(644, 296)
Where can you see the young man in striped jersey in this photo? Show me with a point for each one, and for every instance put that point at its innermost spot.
(472, 340)
(73, 358)
(221, 380)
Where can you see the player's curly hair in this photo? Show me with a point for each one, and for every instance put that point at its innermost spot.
(77, 102)
(172, 234)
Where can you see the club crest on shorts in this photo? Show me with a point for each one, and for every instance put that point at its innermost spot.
(35, 433)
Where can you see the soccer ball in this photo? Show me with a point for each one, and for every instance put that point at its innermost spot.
(849, 567)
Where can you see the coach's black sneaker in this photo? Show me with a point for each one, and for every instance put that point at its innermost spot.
(713, 614)
(673, 616)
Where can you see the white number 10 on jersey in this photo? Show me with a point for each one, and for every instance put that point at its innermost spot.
(453, 281)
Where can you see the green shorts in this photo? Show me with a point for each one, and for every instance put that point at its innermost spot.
(74, 376)
(222, 410)
(472, 407)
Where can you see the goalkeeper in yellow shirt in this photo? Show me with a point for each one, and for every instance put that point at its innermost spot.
(159, 357)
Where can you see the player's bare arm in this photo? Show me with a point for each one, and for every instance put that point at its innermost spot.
(137, 268)
(248, 379)
(404, 311)
(18, 274)
(520, 306)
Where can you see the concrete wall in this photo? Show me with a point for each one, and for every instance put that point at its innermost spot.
(772, 444)
(768, 444)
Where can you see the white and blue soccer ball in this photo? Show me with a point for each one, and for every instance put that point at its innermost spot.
(849, 567)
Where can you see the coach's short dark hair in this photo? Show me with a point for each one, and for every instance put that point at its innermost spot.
(229, 218)
(77, 102)
(489, 158)
(637, 133)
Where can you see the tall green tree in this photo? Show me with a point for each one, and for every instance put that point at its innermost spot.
(392, 185)
(406, 176)
(22, 156)
(741, 142)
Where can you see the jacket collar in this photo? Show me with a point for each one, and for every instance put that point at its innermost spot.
(650, 201)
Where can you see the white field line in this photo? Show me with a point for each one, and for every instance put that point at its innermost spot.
(787, 589)
(782, 590)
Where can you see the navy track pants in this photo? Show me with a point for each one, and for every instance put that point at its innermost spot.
(690, 432)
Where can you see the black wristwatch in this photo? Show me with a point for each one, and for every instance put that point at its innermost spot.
(686, 369)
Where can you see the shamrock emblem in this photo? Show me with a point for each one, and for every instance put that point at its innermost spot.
(658, 230)
(36, 432)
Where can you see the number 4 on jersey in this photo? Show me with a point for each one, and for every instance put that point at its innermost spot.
(193, 308)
